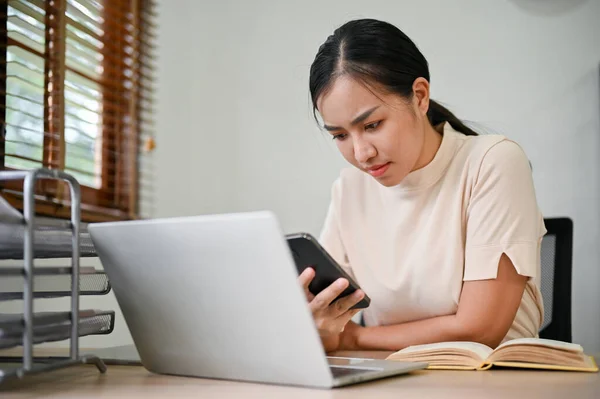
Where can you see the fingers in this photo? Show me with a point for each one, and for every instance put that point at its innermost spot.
(343, 305)
(334, 326)
(338, 314)
(346, 317)
(305, 278)
(330, 317)
(325, 297)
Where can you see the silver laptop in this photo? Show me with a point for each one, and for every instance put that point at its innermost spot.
(217, 297)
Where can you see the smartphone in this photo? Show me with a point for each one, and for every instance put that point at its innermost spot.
(308, 252)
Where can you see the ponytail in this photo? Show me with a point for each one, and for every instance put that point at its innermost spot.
(438, 114)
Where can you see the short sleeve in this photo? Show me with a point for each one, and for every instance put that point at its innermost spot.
(330, 237)
(503, 215)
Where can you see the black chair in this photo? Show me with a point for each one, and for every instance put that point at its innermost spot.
(557, 261)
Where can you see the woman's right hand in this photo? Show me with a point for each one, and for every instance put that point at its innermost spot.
(330, 317)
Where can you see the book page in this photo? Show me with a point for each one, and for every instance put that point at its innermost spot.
(482, 351)
(565, 346)
(587, 365)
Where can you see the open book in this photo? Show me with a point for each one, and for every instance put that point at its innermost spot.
(533, 353)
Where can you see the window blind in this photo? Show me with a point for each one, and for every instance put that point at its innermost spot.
(76, 95)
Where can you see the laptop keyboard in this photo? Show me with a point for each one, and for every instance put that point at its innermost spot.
(346, 371)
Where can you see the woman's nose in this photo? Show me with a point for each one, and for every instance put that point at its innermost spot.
(363, 150)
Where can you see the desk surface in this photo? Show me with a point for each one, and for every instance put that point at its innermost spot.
(136, 382)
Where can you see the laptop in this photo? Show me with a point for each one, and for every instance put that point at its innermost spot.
(217, 296)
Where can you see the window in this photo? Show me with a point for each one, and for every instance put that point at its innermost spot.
(76, 95)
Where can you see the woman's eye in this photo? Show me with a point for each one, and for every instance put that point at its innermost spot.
(340, 136)
(372, 126)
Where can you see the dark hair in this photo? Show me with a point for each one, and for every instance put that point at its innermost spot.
(377, 52)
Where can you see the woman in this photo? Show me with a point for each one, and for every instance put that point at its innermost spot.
(438, 225)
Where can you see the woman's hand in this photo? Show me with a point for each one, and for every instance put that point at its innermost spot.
(330, 317)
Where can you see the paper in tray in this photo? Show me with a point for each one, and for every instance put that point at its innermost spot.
(52, 238)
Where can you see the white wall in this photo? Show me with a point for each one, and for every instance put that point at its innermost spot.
(236, 129)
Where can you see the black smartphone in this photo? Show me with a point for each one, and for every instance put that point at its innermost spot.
(308, 252)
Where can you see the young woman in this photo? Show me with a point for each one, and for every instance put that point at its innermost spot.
(439, 225)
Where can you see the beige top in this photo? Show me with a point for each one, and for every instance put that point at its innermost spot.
(411, 246)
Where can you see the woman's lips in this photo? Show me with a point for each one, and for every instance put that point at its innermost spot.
(378, 170)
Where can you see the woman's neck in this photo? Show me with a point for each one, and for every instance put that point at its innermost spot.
(431, 144)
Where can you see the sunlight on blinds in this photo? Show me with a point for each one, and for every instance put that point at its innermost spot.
(24, 87)
(83, 93)
(78, 97)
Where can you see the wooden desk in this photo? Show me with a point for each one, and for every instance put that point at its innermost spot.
(135, 382)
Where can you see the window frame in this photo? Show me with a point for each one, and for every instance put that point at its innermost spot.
(117, 197)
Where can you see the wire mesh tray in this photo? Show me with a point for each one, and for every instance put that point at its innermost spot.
(52, 282)
(49, 242)
(54, 326)
(52, 238)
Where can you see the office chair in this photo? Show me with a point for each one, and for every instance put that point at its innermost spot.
(557, 260)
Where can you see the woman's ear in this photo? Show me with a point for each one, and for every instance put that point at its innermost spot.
(421, 95)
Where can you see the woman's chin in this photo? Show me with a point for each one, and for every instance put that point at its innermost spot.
(389, 180)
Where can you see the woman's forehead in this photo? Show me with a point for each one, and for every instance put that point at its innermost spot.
(347, 96)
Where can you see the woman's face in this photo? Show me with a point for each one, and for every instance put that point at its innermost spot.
(381, 134)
